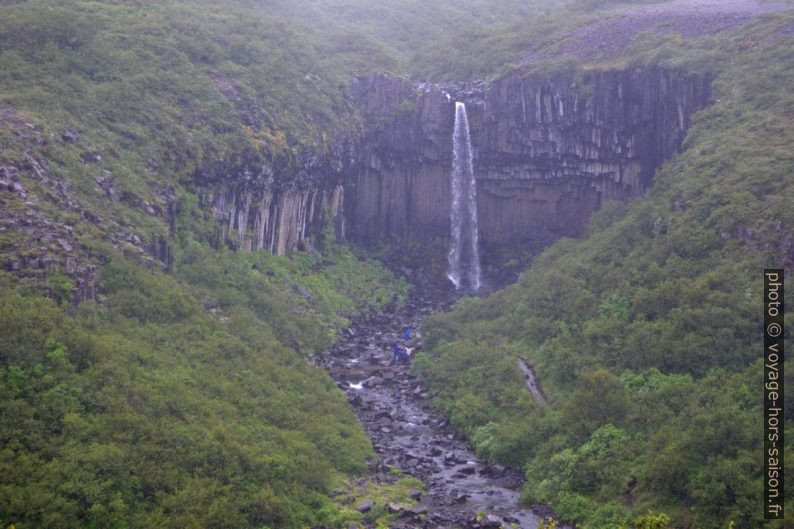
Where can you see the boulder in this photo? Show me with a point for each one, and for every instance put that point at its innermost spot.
(70, 136)
(468, 470)
(418, 510)
(460, 498)
(383, 414)
(491, 520)
(372, 381)
(302, 292)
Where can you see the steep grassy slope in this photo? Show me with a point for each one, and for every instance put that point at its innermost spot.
(645, 335)
(139, 95)
(180, 401)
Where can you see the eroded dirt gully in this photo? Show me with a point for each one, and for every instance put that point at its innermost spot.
(407, 433)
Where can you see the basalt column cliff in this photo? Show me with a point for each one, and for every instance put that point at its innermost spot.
(548, 151)
(277, 206)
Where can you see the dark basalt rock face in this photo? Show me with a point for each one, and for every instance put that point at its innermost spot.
(548, 151)
(275, 205)
(400, 184)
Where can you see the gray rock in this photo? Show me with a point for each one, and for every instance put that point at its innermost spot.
(491, 520)
(558, 134)
(365, 506)
(70, 136)
(418, 510)
(498, 470)
(460, 498)
(90, 157)
(302, 292)
(468, 470)
(372, 381)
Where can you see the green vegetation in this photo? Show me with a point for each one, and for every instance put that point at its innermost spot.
(185, 399)
(182, 402)
(158, 90)
(645, 334)
(401, 493)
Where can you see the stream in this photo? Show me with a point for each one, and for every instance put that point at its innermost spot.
(409, 434)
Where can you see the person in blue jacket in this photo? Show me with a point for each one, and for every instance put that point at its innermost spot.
(407, 333)
(399, 354)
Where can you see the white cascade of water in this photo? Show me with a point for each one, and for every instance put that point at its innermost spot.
(464, 252)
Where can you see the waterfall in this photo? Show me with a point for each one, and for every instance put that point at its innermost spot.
(464, 252)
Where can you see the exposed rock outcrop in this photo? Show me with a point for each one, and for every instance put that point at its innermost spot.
(276, 206)
(37, 245)
(548, 151)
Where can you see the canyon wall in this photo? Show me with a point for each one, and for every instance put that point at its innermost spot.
(548, 151)
(276, 206)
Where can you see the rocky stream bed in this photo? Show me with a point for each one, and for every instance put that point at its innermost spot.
(409, 434)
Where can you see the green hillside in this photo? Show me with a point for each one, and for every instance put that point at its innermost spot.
(645, 335)
(180, 401)
(180, 395)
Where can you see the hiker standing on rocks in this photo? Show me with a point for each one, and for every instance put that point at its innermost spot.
(396, 351)
(399, 354)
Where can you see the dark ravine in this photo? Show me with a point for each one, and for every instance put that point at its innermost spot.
(407, 433)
